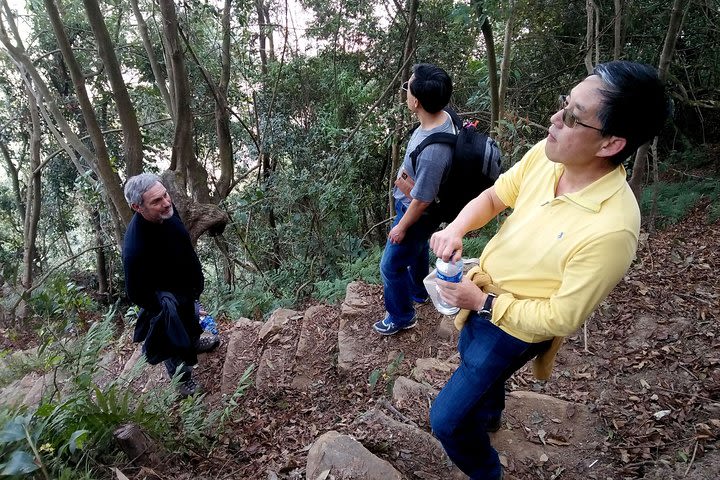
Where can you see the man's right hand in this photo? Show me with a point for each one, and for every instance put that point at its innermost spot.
(447, 244)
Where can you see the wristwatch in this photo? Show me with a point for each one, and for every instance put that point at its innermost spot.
(487, 307)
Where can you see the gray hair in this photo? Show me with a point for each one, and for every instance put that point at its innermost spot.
(136, 186)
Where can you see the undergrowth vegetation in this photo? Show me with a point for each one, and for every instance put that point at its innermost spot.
(675, 200)
(70, 434)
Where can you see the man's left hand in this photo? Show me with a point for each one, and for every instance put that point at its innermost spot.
(464, 294)
(396, 234)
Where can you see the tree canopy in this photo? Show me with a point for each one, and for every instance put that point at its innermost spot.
(279, 126)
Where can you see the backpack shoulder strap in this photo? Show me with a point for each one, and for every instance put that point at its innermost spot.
(457, 121)
(440, 137)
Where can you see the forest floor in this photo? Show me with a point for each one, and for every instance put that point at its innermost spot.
(646, 372)
(649, 374)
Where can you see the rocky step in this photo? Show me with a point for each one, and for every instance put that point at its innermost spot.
(243, 347)
(278, 342)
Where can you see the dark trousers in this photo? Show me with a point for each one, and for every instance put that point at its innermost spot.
(173, 364)
(475, 395)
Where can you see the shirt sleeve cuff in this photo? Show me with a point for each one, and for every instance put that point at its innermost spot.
(500, 305)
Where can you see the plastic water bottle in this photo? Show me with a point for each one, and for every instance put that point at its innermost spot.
(207, 322)
(450, 272)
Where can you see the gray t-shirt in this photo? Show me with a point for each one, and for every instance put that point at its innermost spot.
(433, 163)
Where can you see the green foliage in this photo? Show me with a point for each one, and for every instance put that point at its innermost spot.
(202, 427)
(62, 300)
(17, 365)
(365, 268)
(386, 375)
(70, 433)
(515, 136)
(675, 200)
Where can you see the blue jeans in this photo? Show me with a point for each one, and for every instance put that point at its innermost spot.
(404, 265)
(475, 395)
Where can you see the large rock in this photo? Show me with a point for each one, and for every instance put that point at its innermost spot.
(542, 428)
(706, 466)
(314, 357)
(435, 372)
(27, 390)
(354, 326)
(413, 451)
(410, 394)
(356, 300)
(242, 348)
(280, 336)
(277, 321)
(342, 457)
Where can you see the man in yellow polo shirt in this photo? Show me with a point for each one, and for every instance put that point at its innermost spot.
(569, 240)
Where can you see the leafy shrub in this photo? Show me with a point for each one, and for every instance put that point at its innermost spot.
(675, 200)
(388, 375)
(61, 300)
(365, 268)
(71, 432)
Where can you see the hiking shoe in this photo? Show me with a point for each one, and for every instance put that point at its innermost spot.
(207, 344)
(494, 425)
(188, 388)
(388, 327)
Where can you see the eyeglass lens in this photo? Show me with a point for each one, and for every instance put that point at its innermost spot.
(567, 116)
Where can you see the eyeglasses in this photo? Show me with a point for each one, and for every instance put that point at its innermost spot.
(569, 118)
(405, 86)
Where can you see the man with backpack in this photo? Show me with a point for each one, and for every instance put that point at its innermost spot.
(405, 260)
(569, 240)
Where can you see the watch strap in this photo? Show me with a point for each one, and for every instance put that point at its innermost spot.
(487, 307)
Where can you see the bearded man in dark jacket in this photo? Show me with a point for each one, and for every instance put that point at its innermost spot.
(163, 276)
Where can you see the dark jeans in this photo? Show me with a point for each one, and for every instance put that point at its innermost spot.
(475, 395)
(404, 266)
(172, 365)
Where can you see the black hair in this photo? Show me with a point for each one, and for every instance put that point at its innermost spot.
(634, 104)
(432, 87)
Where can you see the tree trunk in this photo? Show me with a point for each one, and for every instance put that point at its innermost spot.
(399, 135)
(15, 180)
(676, 20)
(486, 29)
(158, 72)
(589, 35)
(198, 218)
(110, 179)
(100, 258)
(505, 64)
(222, 115)
(228, 263)
(132, 139)
(618, 28)
(141, 450)
(32, 195)
(183, 158)
(637, 179)
(115, 199)
(262, 35)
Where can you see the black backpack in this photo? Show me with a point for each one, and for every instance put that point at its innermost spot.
(475, 167)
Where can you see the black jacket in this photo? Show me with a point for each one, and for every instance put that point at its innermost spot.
(160, 262)
(165, 334)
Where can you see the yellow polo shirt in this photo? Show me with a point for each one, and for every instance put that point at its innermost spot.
(558, 257)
